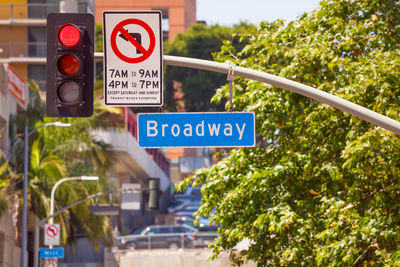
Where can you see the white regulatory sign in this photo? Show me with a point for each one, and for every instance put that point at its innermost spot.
(50, 262)
(132, 58)
(52, 234)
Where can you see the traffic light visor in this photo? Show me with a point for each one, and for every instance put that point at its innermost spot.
(69, 35)
(68, 64)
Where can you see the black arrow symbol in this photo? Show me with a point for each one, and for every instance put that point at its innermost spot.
(136, 36)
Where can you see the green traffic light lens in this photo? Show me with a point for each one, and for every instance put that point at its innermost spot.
(68, 64)
(68, 92)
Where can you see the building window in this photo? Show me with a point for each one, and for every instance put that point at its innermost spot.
(37, 41)
(39, 9)
(164, 22)
(38, 74)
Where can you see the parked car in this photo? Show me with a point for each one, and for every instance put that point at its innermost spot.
(184, 220)
(186, 217)
(185, 213)
(160, 236)
(187, 206)
(206, 225)
(191, 194)
(203, 239)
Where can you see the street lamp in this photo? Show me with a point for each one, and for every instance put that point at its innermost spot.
(25, 187)
(53, 190)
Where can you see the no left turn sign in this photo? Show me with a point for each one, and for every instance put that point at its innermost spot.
(52, 231)
(132, 58)
(132, 40)
(52, 234)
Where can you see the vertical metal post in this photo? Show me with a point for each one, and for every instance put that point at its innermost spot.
(230, 78)
(11, 11)
(149, 241)
(25, 194)
(125, 109)
(182, 240)
(36, 244)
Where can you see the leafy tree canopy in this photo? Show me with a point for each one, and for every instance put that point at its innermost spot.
(56, 153)
(197, 86)
(321, 188)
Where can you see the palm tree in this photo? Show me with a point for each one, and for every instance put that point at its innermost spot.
(8, 180)
(8, 193)
(56, 153)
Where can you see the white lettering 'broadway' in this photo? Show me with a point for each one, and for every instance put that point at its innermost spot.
(240, 131)
(154, 128)
(213, 129)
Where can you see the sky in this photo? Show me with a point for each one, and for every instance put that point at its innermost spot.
(229, 12)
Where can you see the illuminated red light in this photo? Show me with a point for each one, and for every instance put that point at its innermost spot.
(68, 64)
(69, 35)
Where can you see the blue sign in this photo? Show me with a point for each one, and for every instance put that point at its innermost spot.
(51, 252)
(213, 129)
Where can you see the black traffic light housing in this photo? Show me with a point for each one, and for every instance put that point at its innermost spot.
(70, 65)
(154, 194)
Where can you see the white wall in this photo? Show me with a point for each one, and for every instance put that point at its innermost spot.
(9, 251)
(7, 106)
(173, 258)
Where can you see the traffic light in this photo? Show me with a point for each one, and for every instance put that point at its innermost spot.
(70, 65)
(153, 194)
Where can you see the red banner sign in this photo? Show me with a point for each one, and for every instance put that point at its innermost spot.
(17, 87)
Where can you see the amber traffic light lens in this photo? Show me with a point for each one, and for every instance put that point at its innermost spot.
(68, 92)
(68, 64)
(69, 35)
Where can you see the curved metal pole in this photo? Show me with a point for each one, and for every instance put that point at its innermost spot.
(38, 222)
(305, 90)
(53, 191)
(308, 91)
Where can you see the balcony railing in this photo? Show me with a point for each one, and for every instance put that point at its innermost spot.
(23, 49)
(27, 11)
(155, 153)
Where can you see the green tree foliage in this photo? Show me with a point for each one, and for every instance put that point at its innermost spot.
(8, 180)
(321, 188)
(198, 86)
(58, 152)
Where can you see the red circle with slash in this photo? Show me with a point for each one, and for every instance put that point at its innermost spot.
(52, 231)
(145, 52)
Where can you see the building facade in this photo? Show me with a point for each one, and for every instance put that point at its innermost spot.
(23, 47)
(177, 15)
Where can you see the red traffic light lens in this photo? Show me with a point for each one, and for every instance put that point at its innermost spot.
(68, 64)
(69, 35)
(68, 92)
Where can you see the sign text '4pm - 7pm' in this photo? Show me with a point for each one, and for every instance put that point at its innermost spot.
(141, 83)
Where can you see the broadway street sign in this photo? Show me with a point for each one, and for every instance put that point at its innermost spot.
(51, 252)
(214, 129)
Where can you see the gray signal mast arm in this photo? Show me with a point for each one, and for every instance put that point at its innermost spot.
(305, 90)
